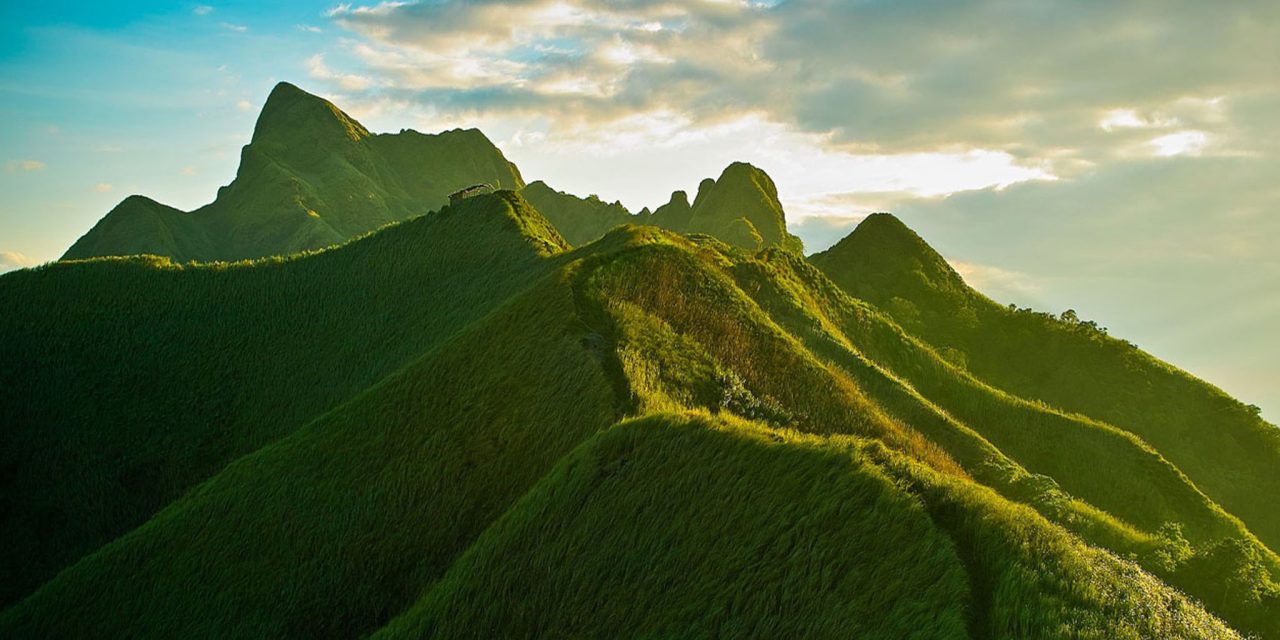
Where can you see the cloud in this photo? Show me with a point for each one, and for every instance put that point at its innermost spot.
(998, 283)
(102, 187)
(350, 82)
(238, 28)
(10, 260)
(202, 9)
(1061, 86)
(310, 28)
(244, 105)
(24, 165)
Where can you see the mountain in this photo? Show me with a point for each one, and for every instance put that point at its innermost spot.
(312, 176)
(649, 421)
(740, 208)
(490, 420)
(1224, 446)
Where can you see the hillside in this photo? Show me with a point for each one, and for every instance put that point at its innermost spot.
(651, 434)
(1223, 446)
(156, 375)
(312, 176)
(740, 208)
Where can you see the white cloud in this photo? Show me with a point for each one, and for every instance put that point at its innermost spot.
(238, 28)
(202, 10)
(310, 28)
(1181, 143)
(350, 82)
(244, 105)
(102, 187)
(10, 260)
(1000, 284)
(24, 165)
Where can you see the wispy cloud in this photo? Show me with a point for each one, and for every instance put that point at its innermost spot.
(1060, 86)
(24, 165)
(103, 187)
(238, 28)
(10, 260)
(202, 9)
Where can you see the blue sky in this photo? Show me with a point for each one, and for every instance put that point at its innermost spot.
(1116, 158)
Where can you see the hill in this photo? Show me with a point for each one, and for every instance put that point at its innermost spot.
(740, 208)
(1222, 445)
(662, 435)
(312, 176)
(155, 375)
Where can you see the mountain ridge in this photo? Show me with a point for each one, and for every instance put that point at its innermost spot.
(311, 176)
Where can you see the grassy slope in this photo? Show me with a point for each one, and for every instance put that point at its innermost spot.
(311, 177)
(154, 375)
(1226, 449)
(782, 540)
(581, 220)
(793, 536)
(344, 523)
(331, 530)
(716, 325)
(741, 208)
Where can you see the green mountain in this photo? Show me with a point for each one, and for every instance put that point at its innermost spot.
(310, 177)
(1222, 445)
(740, 208)
(487, 422)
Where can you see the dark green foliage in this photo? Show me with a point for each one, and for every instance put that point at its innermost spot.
(124, 382)
(741, 208)
(1226, 449)
(581, 220)
(311, 177)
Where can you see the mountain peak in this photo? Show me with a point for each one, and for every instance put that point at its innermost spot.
(742, 207)
(883, 254)
(290, 112)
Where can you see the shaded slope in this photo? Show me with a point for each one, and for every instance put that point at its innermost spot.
(1224, 447)
(311, 177)
(581, 220)
(154, 376)
(741, 208)
(330, 531)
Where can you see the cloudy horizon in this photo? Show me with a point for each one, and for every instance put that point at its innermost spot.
(1114, 158)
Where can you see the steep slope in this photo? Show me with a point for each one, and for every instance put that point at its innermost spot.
(793, 536)
(741, 208)
(581, 220)
(386, 499)
(311, 176)
(154, 376)
(1219, 443)
(330, 531)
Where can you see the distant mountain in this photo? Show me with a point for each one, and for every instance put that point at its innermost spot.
(462, 425)
(740, 208)
(312, 176)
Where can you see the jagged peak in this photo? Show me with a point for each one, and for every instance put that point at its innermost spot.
(289, 110)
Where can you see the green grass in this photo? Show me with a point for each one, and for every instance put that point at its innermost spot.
(460, 427)
(123, 382)
(1222, 445)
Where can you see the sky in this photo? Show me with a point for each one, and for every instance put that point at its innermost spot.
(1119, 158)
